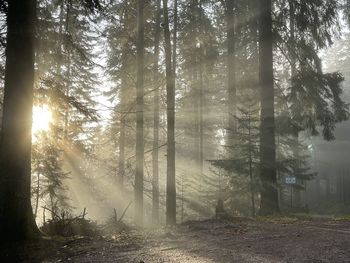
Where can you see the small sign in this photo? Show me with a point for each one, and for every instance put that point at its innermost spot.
(291, 180)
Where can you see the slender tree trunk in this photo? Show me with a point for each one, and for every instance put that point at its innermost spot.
(123, 118)
(61, 41)
(296, 150)
(251, 176)
(16, 215)
(292, 37)
(171, 182)
(201, 92)
(68, 77)
(231, 69)
(201, 123)
(155, 154)
(67, 94)
(195, 147)
(121, 157)
(122, 131)
(175, 37)
(139, 114)
(269, 193)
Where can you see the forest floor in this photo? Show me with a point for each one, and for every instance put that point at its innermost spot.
(242, 240)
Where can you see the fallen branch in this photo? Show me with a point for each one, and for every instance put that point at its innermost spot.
(52, 212)
(126, 209)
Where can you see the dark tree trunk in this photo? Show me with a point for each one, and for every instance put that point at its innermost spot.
(251, 175)
(201, 92)
(68, 64)
(231, 70)
(171, 182)
(195, 82)
(123, 105)
(296, 149)
(176, 22)
(139, 114)
(121, 157)
(269, 193)
(122, 131)
(155, 153)
(16, 215)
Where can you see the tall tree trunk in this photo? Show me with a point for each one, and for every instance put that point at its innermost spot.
(171, 182)
(194, 74)
(155, 153)
(231, 70)
(269, 193)
(176, 22)
(296, 149)
(251, 175)
(124, 114)
(16, 215)
(139, 114)
(121, 157)
(61, 41)
(292, 36)
(68, 64)
(201, 92)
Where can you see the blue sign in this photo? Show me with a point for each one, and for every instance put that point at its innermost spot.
(290, 180)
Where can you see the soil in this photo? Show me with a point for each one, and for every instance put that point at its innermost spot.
(281, 240)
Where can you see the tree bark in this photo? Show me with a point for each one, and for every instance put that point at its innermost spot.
(121, 157)
(16, 215)
(201, 92)
(123, 105)
(231, 70)
(176, 24)
(269, 193)
(170, 87)
(251, 175)
(139, 114)
(296, 149)
(155, 153)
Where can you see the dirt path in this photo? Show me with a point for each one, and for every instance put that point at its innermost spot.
(215, 241)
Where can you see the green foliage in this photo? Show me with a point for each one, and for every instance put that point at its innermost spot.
(316, 101)
(66, 83)
(309, 101)
(49, 176)
(315, 97)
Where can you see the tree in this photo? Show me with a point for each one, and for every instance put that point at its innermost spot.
(155, 153)
(16, 216)
(244, 153)
(313, 95)
(139, 114)
(50, 177)
(66, 84)
(170, 87)
(269, 193)
(197, 91)
(231, 67)
(121, 66)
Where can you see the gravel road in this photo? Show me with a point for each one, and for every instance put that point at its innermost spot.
(220, 241)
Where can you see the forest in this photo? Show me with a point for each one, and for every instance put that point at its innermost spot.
(135, 131)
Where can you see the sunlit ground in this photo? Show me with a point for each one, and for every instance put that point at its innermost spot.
(42, 118)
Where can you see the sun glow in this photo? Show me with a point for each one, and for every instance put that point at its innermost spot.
(42, 118)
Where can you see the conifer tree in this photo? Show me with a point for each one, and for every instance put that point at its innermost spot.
(16, 216)
(269, 194)
(171, 180)
(139, 113)
(155, 153)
